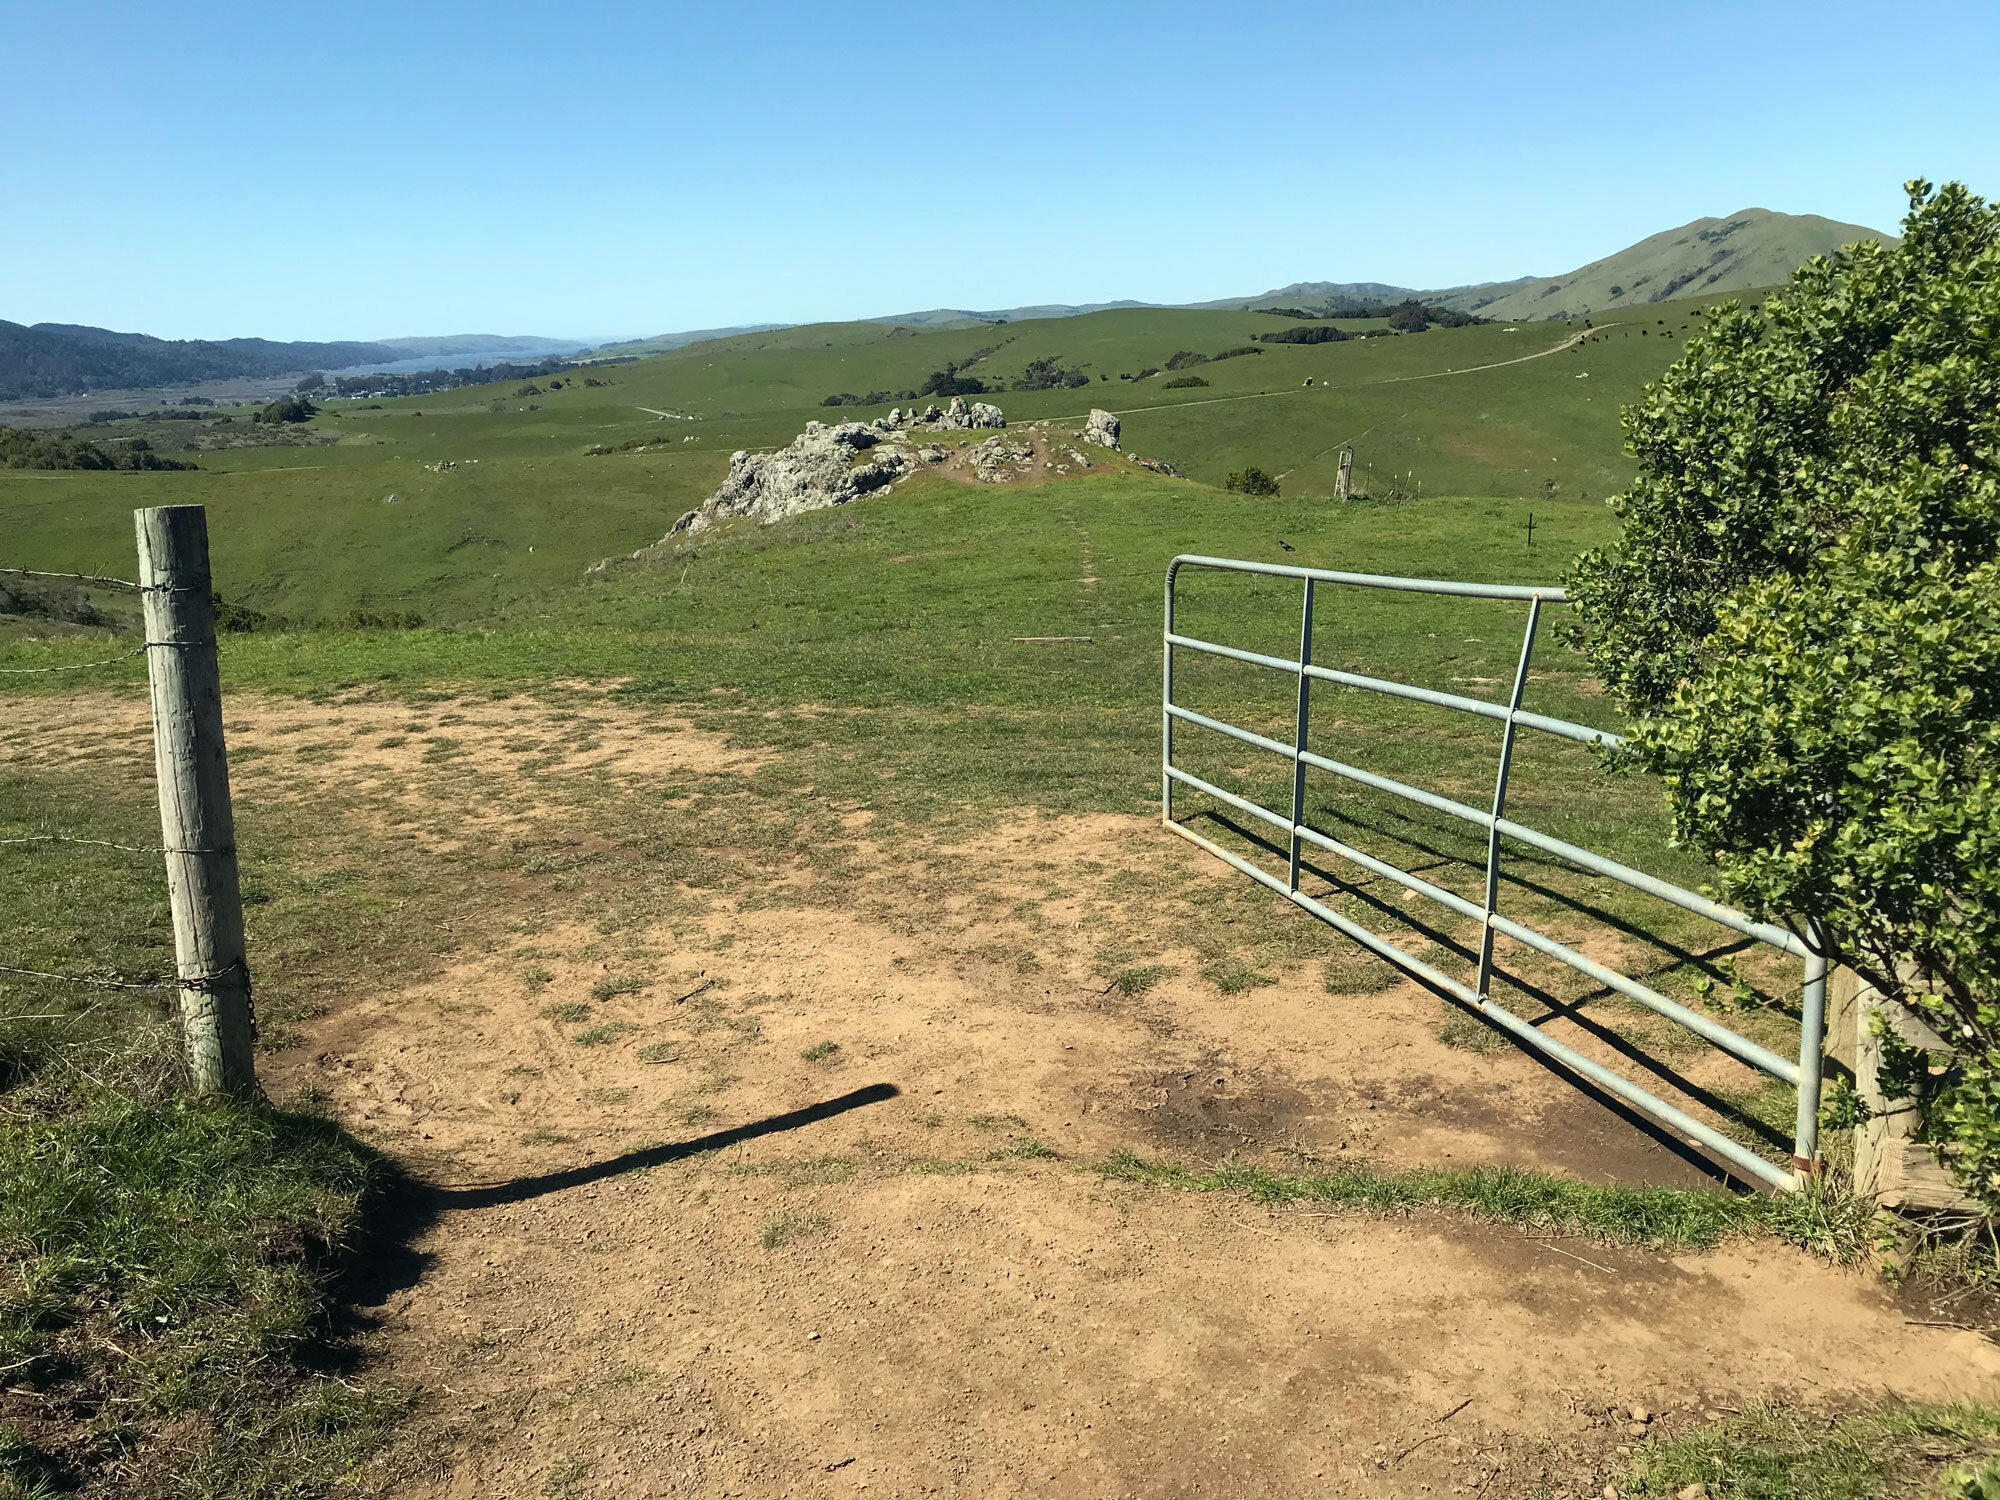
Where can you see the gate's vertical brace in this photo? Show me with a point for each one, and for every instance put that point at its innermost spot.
(1484, 985)
(1167, 705)
(1812, 1042)
(1299, 730)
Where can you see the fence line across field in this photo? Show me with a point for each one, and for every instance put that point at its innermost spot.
(197, 823)
(1802, 1072)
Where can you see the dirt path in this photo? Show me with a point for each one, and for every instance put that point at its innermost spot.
(785, 1195)
(1134, 411)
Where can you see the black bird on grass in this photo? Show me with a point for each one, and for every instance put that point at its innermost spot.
(1286, 545)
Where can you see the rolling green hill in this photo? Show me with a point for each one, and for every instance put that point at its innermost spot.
(1753, 248)
(499, 502)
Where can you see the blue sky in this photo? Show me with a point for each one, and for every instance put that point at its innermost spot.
(602, 169)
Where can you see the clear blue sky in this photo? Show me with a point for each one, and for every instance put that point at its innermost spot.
(579, 167)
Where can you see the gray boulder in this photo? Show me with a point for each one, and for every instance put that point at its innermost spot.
(816, 471)
(1101, 429)
(1001, 460)
(960, 417)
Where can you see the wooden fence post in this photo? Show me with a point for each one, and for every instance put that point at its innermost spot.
(1891, 1166)
(197, 827)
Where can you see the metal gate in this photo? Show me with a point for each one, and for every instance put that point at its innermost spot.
(1803, 1072)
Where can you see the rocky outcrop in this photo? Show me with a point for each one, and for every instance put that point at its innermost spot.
(819, 469)
(1000, 460)
(1101, 429)
(963, 418)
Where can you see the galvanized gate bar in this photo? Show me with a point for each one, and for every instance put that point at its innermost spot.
(1485, 982)
(1803, 1073)
(1680, 1121)
(1597, 864)
(1523, 592)
(1563, 727)
(1304, 717)
(1740, 1047)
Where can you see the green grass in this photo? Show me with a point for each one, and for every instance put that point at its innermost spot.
(820, 1051)
(1775, 1453)
(784, 1229)
(169, 1269)
(1662, 1218)
(624, 984)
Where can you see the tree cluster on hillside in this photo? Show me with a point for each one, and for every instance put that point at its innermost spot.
(1803, 616)
(161, 414)
(1181, 359)
(1318, 333)
(873, 398)
(1182, 383)
(949, 382)
(288, 409)
(61, 359)
(1048, 375)
(1237, 353)
(22, 449)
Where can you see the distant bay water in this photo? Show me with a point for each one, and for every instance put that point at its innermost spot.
(517, 356)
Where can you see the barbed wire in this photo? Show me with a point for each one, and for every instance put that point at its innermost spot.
(63, 838)
(139, 650)
(207, 983)
(122, 583)
(108, 661)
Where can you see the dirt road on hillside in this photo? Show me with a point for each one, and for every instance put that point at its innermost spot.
(788, 1191)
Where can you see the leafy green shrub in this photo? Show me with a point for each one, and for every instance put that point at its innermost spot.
(1803, 614)
(1251, 481)
(1185, 382)
(1239, 351)
(1180, 359)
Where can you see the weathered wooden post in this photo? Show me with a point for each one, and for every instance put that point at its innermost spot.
(1892, 1166)
(197, 828)
(1343, 483)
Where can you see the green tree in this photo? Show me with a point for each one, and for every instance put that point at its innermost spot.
(1803, 617)
(1251, 481)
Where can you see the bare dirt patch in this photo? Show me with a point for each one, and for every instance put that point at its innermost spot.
(785, 1190)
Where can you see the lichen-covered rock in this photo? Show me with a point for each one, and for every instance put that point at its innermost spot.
(960, 417)
(1101, 429)
(816, 471)
(1000, 460)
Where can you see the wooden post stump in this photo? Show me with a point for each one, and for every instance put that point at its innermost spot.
(1891, 1165)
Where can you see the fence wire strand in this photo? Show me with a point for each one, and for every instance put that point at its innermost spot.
(122, 583)
(63, 838)
(109, 661)
(104, 984)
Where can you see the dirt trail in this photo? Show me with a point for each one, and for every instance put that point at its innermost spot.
(792, 1198)
(1137, 411)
